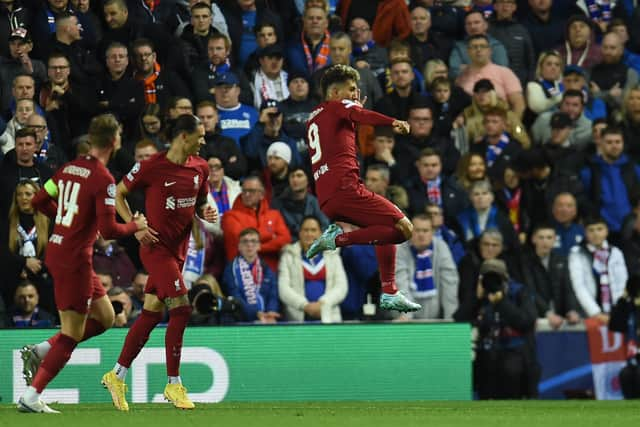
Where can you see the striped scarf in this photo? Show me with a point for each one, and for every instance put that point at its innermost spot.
(222, 199)
(551, 89)
(220, 68)
(513, 206)
(322, 58)
(250, 278)
(599, 10)
(494, 151)
(423, 283)
(600, 268)
(150, 96)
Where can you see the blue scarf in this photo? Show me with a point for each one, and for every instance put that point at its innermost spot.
(423, 284)
(220, 68)
(359, 50)
(42, 155)
(551, 89)
(248, 277)
(599, 10)
(494, 151)
(468, 220)
(222, 199)
(33, 321)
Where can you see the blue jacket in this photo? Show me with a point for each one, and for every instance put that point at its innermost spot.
(614, 203)
(595, 109)
(296, 58)
(268, 294)
(237, 122)
(361, 266)
(568, 237)
(453, 241)
(631, 60)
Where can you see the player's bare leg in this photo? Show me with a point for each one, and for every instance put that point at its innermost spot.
(71, 332)
(101, 318)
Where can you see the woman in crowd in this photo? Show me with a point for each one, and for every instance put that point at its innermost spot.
(545, 93)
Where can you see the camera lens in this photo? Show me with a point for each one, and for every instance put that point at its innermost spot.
(117, 306)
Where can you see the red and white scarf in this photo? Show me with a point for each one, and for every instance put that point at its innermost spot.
(264, 88)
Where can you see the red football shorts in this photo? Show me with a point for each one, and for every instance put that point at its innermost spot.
(362, 207)
(74, 289)
(165, 272)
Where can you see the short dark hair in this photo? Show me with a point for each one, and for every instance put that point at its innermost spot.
(573, 93)
(141, 42)
(542, 226)
(428, 152)
(311, 218)
(200, 5)
(613, 130)
(477, 37)
(25, 132)
(337, 74)
(593, 220)
(248, 230)
(183, 123)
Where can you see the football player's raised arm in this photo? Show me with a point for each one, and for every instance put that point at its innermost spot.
(122, 206)
(363, 116)
(45, 199)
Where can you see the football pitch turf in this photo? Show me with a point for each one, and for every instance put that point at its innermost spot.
(370, 414)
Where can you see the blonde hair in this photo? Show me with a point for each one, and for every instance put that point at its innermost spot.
(430, 68)
(40, 220)
(543, 57)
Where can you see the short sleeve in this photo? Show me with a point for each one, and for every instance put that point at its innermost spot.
(511, 82)
(138, 176)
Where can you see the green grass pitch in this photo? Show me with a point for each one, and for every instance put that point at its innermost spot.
(369, 414)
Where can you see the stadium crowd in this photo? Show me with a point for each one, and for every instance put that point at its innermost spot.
(521, 163)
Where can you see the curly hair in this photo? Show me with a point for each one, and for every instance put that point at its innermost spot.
(337, 74)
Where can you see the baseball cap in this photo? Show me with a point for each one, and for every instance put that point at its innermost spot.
(280, 149)
(483, 85)
(573, 69)
(560, 120)
(271, 50)
(20, 33)
(227, 78)
(495, 266)
(270, 103)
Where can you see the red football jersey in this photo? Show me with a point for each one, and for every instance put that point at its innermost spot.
(331, 138)
(171, 192)
(85, 196)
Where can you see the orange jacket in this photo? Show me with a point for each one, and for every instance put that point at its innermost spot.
(392, 20)
(274, 233)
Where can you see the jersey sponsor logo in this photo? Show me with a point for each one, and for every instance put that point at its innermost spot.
(186, 202)
(77, 171)
(56, 239)
(196, 181)
(324, 168)
(110, 202)
(111, 190)
(176, 283)
(169, 183)
(170, 204)
(235, 124)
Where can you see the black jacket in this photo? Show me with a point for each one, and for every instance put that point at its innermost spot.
(454, 198)
(125, 99)
(517, 42)
(202, 81)
(226, 149)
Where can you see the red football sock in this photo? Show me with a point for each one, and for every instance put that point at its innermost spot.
(91, 329)
(178, 318)
(54, 361)
(138, 336)
(386, 256)
(374, 235)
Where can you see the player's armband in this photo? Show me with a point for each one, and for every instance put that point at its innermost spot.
(51, 188)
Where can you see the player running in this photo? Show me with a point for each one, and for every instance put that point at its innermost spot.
(81, 197)
(175, 186)
(343, 197)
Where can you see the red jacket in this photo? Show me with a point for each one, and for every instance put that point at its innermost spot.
(274, 233)
(392, 20)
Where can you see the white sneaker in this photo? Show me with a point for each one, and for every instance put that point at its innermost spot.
(36, 407)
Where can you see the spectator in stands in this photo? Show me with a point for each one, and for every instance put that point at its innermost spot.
(177, 106)
(242, 17)
(310, 51)
(14, 14)
(619, 27)
(546, 273)
(196, 34)
(267, 131)
(505, 82)
(545, 28)
(497, 146)
(505, 365)
(24, 239)
(69, 105)
(217, 145)
(483, 214)
(475, 24)
(630, 123)
(485, 97)
(19, 165)
(311, 289)
(136, 290)
(558, 149)
(119, 93)
(68, 41)
(443, 232)
(251, 210)
(250, 279)
(160, 84)
(275, 174)
(144, 150)
(376, 179)
(385, 153)
(397, 102)
(426, 271)
(575, 78)
(150, 125)
(218, 62)
(106, 278)
(123, 307)
(512, 198)
(580, 47)
(611, 182)
(569, 232)
(366, 53)
(236, 119)
(18, 62)
(48, 153)
(223, 188)
(270, 80)
(598, 271)
(26, 311)
(545, 92)
(340, 49)
(265, 36)
(471, 167)
(449, 101)
(611, 78)
(389, 20)
(296, 109)
(108, 255)
(121, 27)
(515, 38)
(24, 108)
(22, 86)
(296, 202)
(424, 43)
(430, 185)
(573, 104)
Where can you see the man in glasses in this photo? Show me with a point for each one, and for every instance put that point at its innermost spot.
(47, 152)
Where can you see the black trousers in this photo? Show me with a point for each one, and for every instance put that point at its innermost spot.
(506, 374)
